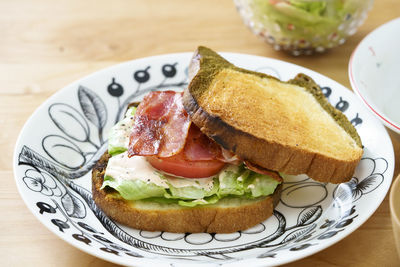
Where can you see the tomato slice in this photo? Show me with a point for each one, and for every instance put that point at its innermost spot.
(179, 166)
(198, 158)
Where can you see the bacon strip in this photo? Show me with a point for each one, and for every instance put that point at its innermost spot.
(258, 169)
(161, 125)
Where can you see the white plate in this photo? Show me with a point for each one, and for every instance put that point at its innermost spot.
(374, 73)
(61, 141)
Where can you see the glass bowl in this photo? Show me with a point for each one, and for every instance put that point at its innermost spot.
(303, 26)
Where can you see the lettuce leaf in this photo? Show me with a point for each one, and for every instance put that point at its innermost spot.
(134, 189)
(185, 203)
(191, 192)
(260, 185)
(204, 201)
(114, 149)
(237, 180)
(233, 180)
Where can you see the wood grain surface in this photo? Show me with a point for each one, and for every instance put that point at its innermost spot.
(46, 44)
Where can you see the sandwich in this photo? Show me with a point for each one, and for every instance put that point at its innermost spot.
(211, 158)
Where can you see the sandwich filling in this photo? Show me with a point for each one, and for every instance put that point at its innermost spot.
(157, 154)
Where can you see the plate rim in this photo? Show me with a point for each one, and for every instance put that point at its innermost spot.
(122, 260)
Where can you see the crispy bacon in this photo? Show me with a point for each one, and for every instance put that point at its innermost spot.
(258, 169)
(162, 128)
(161, 125)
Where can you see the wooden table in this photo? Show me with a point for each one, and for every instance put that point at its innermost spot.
(45, 45)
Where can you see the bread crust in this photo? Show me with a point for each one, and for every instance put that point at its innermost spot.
(267, 154)
(174, 218)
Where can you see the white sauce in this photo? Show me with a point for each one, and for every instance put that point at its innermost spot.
(203, 183)
(119, 133)
(134, 168)
(137, 168)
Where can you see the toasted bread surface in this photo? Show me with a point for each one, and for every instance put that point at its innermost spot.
(284, 126)
(226, 216)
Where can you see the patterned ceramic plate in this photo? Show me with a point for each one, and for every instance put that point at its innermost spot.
(62, 140)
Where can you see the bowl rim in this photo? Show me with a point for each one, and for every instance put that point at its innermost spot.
(386, 120)
(395, 214)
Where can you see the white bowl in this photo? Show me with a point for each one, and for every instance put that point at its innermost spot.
(374, 72)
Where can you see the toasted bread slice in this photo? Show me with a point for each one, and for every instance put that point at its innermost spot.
(226, 216)
(284, 126)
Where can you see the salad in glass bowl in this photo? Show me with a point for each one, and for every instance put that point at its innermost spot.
(303, 26)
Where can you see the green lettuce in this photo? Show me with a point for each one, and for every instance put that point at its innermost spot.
(204, 201)
(234, 181)
(260, 185)
(134, 189)
(115, 150)
(191, 192)
(185, 203)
